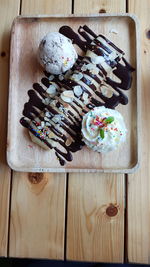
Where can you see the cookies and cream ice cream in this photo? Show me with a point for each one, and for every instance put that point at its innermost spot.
(56, 53)
(103, 129)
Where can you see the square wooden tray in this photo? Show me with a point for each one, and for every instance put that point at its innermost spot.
(22, 154)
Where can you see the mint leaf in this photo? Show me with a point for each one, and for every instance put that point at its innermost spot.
(109, 120)
(102, 135)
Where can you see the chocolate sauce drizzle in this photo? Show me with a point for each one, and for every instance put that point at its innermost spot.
(70, 124)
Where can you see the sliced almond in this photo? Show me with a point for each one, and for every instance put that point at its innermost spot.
(67, 96)
(106, 91)
(51, 90)
(94, 70)
(51, 135)
(68, 142)
(77, 76)
(78, 90)
(51, 77)
(85, 98)
(68, 93)
(97, 60)
(90, 66)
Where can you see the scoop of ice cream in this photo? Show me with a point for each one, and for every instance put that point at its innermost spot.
(103, 129)
(56, 53)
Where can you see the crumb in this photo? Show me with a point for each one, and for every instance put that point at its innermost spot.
(113, 31)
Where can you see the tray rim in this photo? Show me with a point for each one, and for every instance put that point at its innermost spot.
(133, 168)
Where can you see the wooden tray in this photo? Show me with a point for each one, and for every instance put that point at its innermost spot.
(22, 154)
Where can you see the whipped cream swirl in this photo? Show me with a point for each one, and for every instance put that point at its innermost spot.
(103, 129)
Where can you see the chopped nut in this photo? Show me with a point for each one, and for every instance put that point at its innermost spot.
(68, 93)
(97, 60)
(51, 77)
(84, 67)
(113, 31)
(77, 76)
(85, 98)
(78, 90)
(106, 91)
(51, 89)
(51, 135)
(68, 142)
(67, 96)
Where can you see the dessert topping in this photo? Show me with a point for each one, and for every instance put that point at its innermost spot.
(77, 90)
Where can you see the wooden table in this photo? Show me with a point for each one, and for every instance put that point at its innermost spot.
(59, 216)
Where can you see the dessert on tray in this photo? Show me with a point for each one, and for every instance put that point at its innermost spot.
(54, 112)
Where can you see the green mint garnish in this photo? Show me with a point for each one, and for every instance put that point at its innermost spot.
(102, 133)
(109, 120)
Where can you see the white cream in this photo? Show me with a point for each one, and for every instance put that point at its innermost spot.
(114, 132)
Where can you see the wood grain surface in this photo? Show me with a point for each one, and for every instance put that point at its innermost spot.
(99, 6)
(46, 7)
(138, 184)
(95, 218)
(91, 234)
(37, 216)
(47, 205)
(8, 10)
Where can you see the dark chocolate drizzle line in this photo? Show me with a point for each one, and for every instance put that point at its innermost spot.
(67, 156)
(112, 44)
(71, 124)
(84, 34)
(88, 30)
(61, 160)
(102, 46)
(68, 32)
(93, 76)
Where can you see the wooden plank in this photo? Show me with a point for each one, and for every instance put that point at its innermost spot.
(38, 200)
(46, 7)
(92, 233)
(138, 183)
(37, 215)
(95, 218)
(8, 11)
(99, 6)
